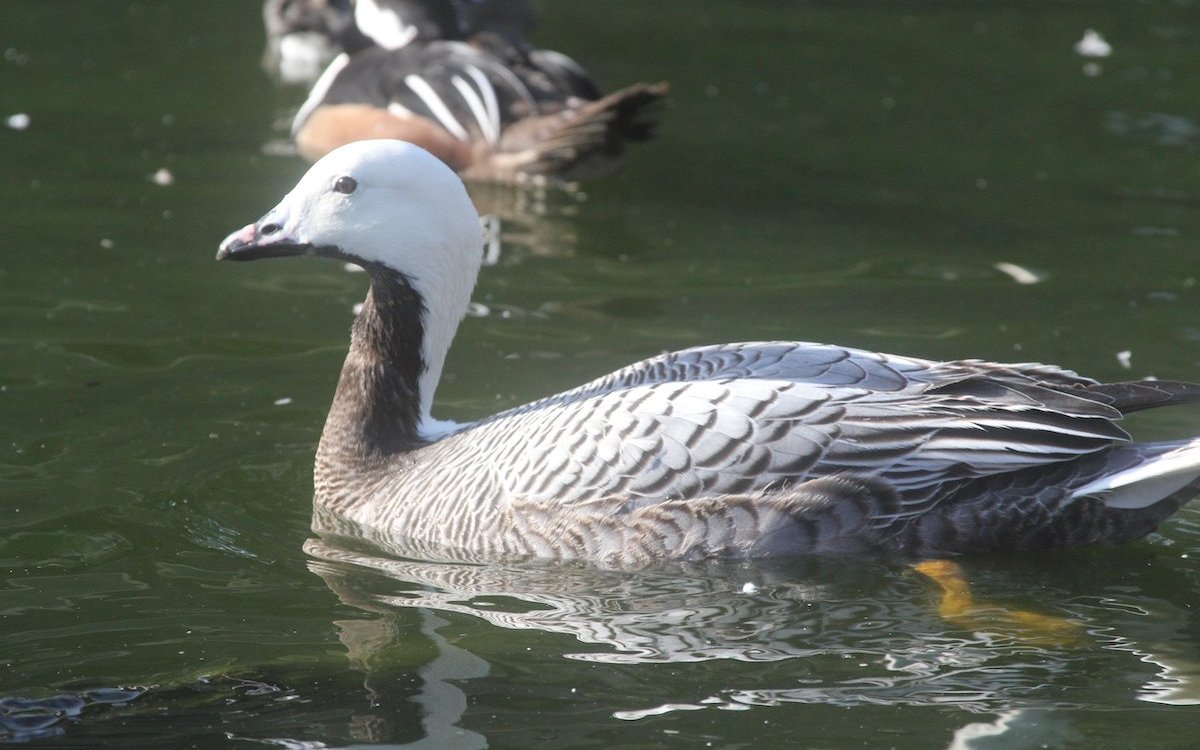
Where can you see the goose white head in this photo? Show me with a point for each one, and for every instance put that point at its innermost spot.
(388, 206)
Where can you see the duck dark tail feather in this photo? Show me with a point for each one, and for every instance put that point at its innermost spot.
(1136, 395)
(585, 140)
(634, 109)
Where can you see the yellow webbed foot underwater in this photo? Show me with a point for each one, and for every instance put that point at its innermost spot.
(960, 608)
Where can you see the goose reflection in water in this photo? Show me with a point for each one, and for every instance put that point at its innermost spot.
(861, 634)
(518, 223)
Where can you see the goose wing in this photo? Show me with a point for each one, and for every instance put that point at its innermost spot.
(749, 417)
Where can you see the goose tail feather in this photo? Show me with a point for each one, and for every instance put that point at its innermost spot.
(1159, 471)
(1131, 396)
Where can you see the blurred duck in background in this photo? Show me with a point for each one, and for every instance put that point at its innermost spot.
(460, 79)
(303, 36)
(392, 24)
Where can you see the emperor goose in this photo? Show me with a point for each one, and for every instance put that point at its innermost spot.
(733, 450)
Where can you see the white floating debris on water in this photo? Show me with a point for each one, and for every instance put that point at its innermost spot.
(358, 306)
(1092, 69)
(283, 401)
(749, 588)
(353, 268)
(1093, 45)
(163, 177)
(1019, 274)
(19, 121)
(1125, 357)
(107, 244)
(478, 310)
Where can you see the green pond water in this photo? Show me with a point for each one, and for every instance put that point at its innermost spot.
(834, 171)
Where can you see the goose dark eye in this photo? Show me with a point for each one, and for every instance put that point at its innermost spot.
(345, 185)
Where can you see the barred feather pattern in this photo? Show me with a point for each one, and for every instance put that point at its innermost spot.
(756, 449)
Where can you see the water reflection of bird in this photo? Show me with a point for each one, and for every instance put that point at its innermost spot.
(673, 613)
(821, 611)
(752, 449)
(519, 222)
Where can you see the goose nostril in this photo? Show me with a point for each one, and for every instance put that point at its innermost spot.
(268, 228)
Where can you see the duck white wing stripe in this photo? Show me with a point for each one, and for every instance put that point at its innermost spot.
(421, 88)
(514, 82)
(489, 96)
(477, 108)
(319, 90)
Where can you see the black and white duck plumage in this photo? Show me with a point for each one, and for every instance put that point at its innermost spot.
(735, 450)
(494, 109)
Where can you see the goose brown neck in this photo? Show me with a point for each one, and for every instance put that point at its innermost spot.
(376, 408)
